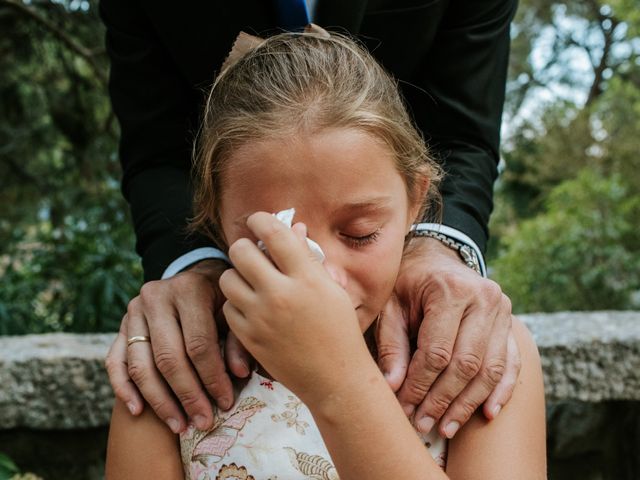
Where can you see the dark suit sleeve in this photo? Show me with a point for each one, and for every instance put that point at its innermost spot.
(157, 110)
(464, 73)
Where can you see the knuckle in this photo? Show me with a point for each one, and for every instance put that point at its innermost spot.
(182, 284)
(467, 365)
(137, 373)
(417, 390)
(237, 247)
(273, 231)
(148, 290)
(389, 350)
(278, 301)
(197, 347)
(465, 409)
(110, 364)
(517, 365)
(455, 284)
(214, 385)
(438, 404)
(506, 303)
(166, 361)
(494, 371)
(437, 357)
(161, 406)
(133, 306)
(120, 392)
(189, 398)
(491, 291)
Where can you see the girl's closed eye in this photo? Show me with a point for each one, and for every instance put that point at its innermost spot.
(358, 241)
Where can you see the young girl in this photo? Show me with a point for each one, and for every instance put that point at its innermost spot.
(311, 121)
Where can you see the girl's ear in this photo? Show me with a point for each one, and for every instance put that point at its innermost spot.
(417, 200)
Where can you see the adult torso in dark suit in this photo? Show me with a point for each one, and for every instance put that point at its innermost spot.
(450, 57)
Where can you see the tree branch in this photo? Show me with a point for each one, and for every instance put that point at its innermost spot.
(598, 72)
(65, 38)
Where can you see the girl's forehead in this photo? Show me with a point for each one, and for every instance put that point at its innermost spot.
(334, 170)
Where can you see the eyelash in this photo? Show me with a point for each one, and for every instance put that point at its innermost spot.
(363, 241)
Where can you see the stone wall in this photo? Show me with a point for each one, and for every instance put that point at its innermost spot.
(55, 400)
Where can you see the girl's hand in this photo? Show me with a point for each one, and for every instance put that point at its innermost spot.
(289, 313)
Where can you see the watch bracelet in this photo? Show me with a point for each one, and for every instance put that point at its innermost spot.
(467, 254)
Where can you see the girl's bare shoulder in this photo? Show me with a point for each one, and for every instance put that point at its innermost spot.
(141, 447)
(513, 444)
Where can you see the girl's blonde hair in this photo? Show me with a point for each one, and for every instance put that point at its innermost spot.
(298, 84)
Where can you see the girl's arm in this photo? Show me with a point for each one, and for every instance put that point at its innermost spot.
(368, 435)
(141, 447)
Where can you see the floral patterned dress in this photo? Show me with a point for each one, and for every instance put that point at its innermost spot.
(268, 434)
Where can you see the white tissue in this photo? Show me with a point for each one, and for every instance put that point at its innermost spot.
(286, 217)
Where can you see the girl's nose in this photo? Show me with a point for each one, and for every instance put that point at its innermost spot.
(337, 273)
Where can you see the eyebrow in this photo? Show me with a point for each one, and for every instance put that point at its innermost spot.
(367, 204)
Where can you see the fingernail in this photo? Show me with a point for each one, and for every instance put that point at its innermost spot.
(408, 409)
(174, 425)
(225, 403)
(496, 410)
(244, 370)
(388, 377)
(451, 429)
(132, 407)
(200, 422)
(425, 424)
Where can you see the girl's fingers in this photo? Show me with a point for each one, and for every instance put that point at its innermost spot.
(285, 250)
(235, 288)
(254, 266)
(236, 320)
(300, 229)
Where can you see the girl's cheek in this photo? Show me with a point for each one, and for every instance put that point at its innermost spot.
(380, 269)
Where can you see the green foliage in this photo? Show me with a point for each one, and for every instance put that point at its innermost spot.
(581, 253)
(7, 467)
(567, 206)
(75, 277)
(66, 261)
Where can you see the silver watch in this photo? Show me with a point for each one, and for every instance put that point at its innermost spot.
(467, 254)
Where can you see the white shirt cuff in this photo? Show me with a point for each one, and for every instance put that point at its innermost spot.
(194, 256)
(456, 235)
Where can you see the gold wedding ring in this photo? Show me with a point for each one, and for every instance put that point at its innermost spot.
(138, 338)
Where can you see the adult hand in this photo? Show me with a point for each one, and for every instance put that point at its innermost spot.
(287, 309)
(183, 358)
(465, 353)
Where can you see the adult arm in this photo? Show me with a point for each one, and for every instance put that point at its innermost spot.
(157, 111)
(462, 357)
(155, 106)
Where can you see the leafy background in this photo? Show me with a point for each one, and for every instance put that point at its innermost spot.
(564, 231)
